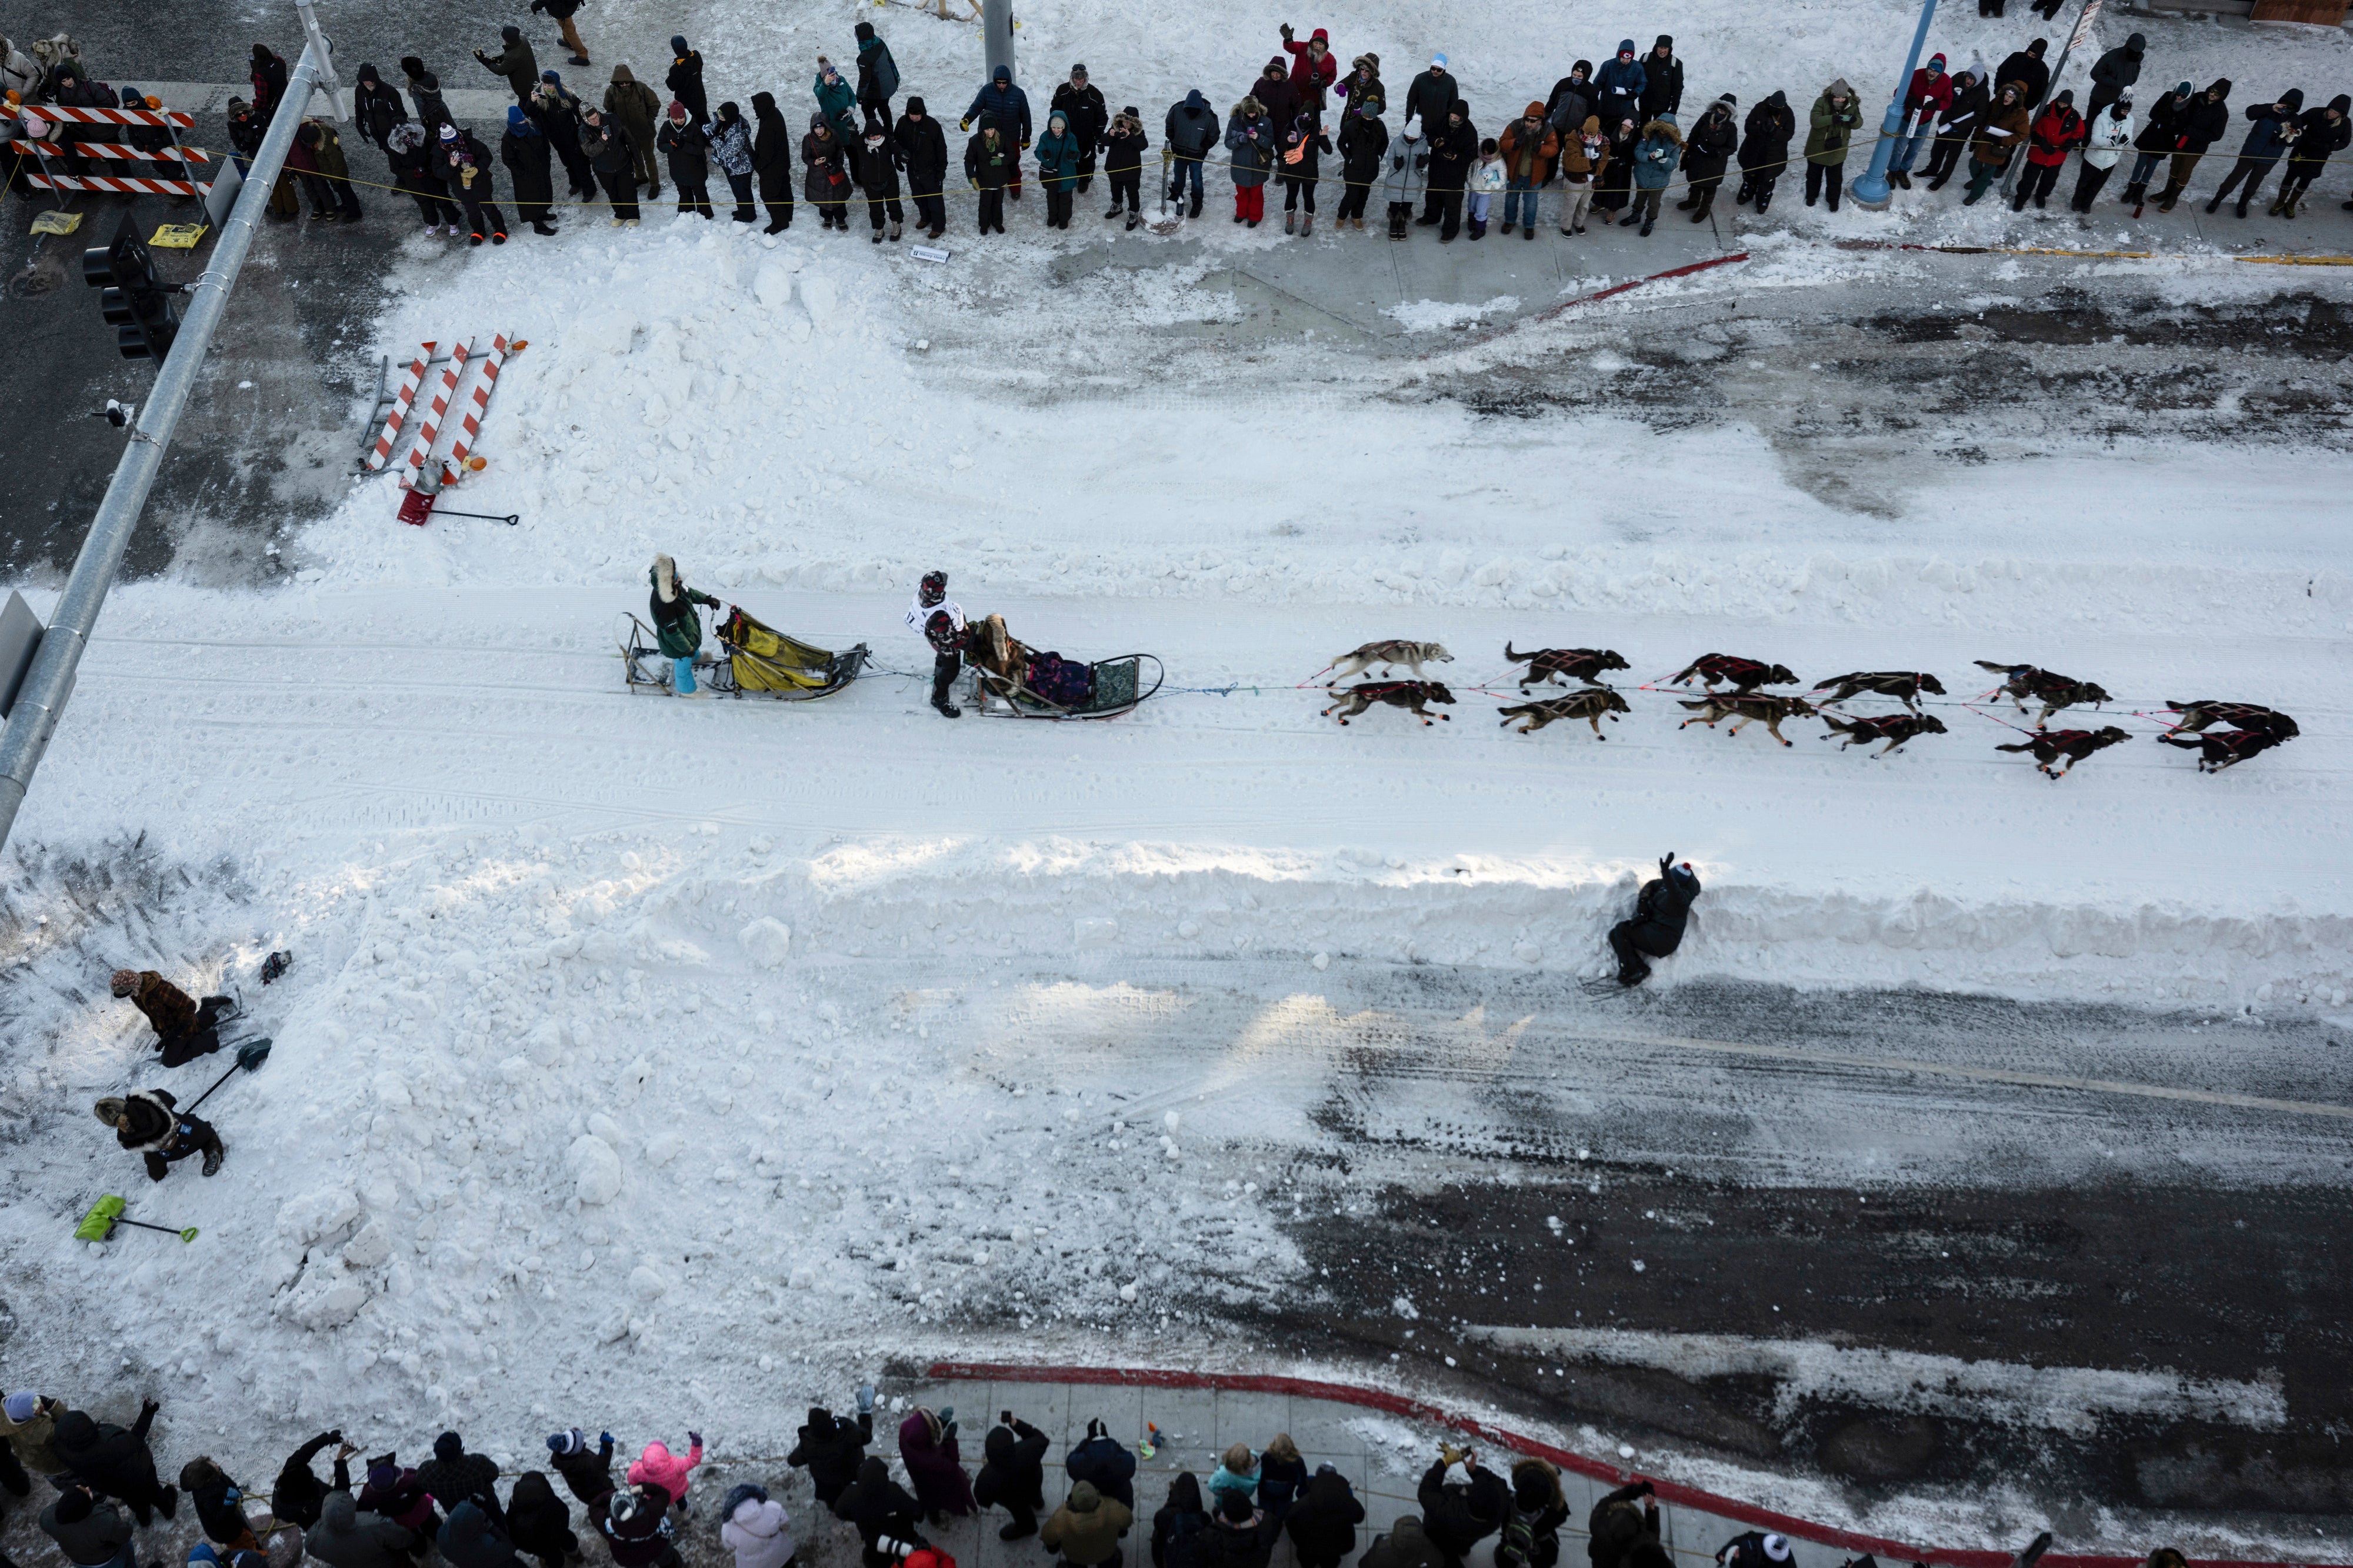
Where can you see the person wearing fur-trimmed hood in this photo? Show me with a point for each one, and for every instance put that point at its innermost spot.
(150, 1125)
(1655, 158)
(677, 628)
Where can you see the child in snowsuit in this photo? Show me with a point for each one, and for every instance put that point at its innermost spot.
(1487, 182)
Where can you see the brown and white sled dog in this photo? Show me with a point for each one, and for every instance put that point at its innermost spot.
(1591, 705)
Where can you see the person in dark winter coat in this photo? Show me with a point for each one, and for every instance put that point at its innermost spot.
(923, 153)
(424, 92)
(1299, 166)
(1573, 100)
(394, 1492)
(772, 161)
(1100, 1460)
(632, 108)
(1014, 1475)
(927, 1447)
(1707, 152)
(1190, 133)
(540, 1523)
(588, 1472)
(1278, 99)
(454, 1476)
(1082, 109)
(877, 1506)
(269, 79)
(470, 1540)
(562, 12)
(1463, 1503)
(1178, 1521)
(1404, 1545)
(1250, 153)
(1662, 80)
(613, 161)
(1958, 125)
(2276, 129)
(990, 164)
(1655, 160)
(730, 148)
(556, 112)
(837, 101)
(348, 1536)
(149, 1124)
(91, 1533)
(2114, 74)
(2029, 71)
(1765, 140)
(298, 1495)
(414, 173)
(1614, 186)
(184, 1029)
(115, 1461)
(1086, 1529)
(636, 1526)
(2194, 127)
(687, 151)
(1239, 1535)
(1431, 94)
(1282, 1476)
(684, 80)
(1364, 77)
(831, 1448)
(1125, 144)
(878, 78)
(1006, 107)
(1656, 928)
(1530, 1537)
(2056, 128)
(1323, 1522)
(878, 183)
(513, 62)
(1620, 83)
(525, 152)
(219, 1503)
(1622, 1523)
(1363, 142)
(1453, 147)
(2321, 134)
(464, 165)
(375, 107)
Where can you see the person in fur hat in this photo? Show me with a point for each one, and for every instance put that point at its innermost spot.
(676, 626)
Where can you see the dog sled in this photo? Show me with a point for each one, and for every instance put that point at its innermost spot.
(1018, 681)
(754, 660)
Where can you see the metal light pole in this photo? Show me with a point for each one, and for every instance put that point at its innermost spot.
(2076, 34)
(1873, 191)
(997, 34)
(33, 717)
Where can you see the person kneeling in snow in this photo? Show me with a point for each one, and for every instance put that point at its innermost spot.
(185, 1030)
(677, 628)
(149, 1123)
(1657, 928)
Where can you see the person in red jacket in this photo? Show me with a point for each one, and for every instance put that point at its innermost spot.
(1312, 68)
(2056, 128)
(1931, 95)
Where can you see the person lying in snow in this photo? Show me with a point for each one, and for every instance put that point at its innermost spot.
(1657, 928)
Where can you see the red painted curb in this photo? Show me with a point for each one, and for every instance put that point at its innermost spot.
(1596, 1469)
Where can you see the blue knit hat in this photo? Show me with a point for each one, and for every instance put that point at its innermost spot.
(571, 1440)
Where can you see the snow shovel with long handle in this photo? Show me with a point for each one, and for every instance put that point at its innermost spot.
(99, 1224)
(250, 1055)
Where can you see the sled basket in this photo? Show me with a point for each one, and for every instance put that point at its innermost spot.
(1119, 686)
(759, 661)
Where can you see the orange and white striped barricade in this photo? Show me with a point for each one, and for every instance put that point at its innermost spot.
(401, 400)
(37, 119)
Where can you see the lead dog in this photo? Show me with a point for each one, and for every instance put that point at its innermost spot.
(2197, 714)
(1750, 706)
(1743, 674)
(1589, 705)
(1903, 685)
(1586, 664)
(1410, 694)
(2020, 681)
(1893, 728)
(2073, 745)
(1388, 656)
(2227, 747)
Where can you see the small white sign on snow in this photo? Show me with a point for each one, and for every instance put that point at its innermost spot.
(929, 252)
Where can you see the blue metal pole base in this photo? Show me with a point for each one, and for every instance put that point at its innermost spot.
(1873, 192)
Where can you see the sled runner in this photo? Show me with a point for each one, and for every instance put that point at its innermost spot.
(759, 661)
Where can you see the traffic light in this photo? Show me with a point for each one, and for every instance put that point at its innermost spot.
(137, 305)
